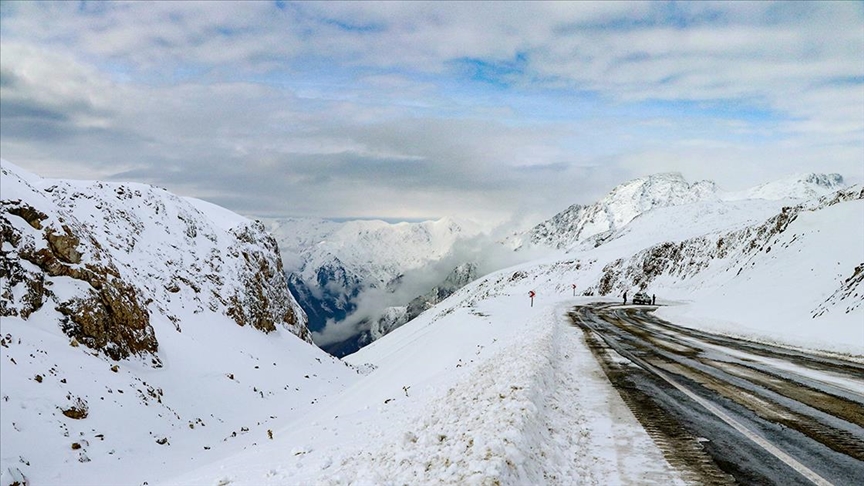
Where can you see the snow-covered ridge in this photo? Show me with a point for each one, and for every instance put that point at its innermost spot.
(164, 252)
(800, 186)
(616, 209)
(630, 199)
(119, 335)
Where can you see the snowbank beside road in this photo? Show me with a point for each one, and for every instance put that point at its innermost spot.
(474, 392)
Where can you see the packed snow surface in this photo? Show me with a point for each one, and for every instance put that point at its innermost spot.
(475, 391)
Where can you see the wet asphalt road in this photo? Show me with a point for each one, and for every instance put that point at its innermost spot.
(726, 411)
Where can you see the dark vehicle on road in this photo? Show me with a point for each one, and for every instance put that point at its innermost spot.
(641, 298)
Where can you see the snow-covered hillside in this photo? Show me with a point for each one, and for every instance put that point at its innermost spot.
(800, 186)
(485, 389)
(129, 317)
(148, 246)
(630, 199)
(481, 388)
(784, 274)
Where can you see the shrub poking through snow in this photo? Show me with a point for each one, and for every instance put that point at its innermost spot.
(78, 410)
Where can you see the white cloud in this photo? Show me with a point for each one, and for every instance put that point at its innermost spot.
(371, 109)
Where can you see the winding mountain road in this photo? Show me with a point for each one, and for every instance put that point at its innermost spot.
(727, 411)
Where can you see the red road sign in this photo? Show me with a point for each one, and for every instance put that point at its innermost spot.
(531, 294)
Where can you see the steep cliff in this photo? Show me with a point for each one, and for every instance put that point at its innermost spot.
(108, 257)
(137, 327)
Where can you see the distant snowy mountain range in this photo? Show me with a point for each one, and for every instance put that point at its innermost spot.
(627, 201)
(335, 264)
(332, 264)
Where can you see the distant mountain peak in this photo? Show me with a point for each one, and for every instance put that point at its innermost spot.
(616, 209)
(630, 199)
(796, 186)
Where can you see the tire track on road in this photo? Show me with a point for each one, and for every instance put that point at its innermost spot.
(793, 422)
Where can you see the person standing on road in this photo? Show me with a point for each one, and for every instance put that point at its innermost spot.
(625, 298)
(653, 299)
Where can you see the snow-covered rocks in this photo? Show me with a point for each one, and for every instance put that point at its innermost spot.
(128, 250)
(49, 255)
(138, 327)
(615, 210)
(631, 199)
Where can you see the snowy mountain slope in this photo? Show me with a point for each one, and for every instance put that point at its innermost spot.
(475, 391)
(738, 248)
(677, 223)
(614, 210)
(627, 201)
(799, 186)
(788, 278)
(483, 388)
(138, 327)
(171, 253)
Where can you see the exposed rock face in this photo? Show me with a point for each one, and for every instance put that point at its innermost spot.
(615, 210)
(687, 258)
(627, 201)
(850, 295)
(330, 295)
(105, 313)
(107, 257)
(260, 300)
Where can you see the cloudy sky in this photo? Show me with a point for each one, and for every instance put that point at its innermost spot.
(408, 111)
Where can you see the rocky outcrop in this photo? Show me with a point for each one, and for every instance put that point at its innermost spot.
(104, 313)
(616, 209)
(260, 300)
(685, 259)
(849, 296)
(109, 257)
